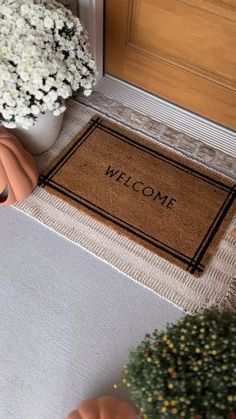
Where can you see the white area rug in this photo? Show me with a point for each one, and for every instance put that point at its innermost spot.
(215, 287)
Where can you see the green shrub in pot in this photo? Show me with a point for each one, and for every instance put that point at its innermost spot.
(188, 371)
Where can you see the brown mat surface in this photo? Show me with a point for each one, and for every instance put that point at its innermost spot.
(165, 202)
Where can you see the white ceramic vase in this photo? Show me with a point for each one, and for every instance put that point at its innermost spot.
(42, 135)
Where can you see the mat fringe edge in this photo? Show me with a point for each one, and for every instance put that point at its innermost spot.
(229, 301)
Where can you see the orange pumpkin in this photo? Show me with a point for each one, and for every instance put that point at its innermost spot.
(104, 408)
(18, 170)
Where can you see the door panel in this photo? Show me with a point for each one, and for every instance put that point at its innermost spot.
(181, 50)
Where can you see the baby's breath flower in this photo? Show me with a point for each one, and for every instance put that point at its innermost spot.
(44, 57)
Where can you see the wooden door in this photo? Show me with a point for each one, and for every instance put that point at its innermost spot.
(181, 50)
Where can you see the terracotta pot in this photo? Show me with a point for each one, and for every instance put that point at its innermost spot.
(104, 408)
(18, 171)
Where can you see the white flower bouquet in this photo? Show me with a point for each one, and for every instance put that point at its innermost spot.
(44, 57)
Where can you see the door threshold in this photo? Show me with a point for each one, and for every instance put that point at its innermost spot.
(199, 128)
(185, 132)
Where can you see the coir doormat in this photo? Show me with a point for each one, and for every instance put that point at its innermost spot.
(160, 200)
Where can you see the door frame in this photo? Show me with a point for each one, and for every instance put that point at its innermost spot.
(91, 14)
(213, 135)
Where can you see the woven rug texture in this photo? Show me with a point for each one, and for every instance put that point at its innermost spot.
(215, 287)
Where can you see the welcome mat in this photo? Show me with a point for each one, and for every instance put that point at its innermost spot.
(162, 201)
(217, 285)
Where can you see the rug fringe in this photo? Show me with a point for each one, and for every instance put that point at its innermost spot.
(229, 302)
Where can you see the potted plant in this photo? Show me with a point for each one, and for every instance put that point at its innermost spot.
(45, 57)
(189, 371)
